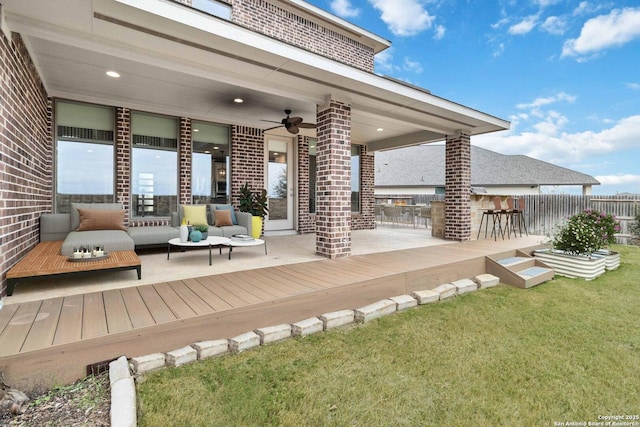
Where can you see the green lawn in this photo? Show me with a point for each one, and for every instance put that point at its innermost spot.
(564, 351)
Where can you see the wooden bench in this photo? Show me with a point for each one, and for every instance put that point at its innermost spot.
(45, 261)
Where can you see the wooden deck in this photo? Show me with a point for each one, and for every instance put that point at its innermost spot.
(52, 341)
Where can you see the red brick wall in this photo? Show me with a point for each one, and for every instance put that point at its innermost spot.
(458, 187)
(185, 156)
(26, 150)
(365, 219)
(306, 220)
(265, 17)
(333, 209)
(123, 159)
(247, 160)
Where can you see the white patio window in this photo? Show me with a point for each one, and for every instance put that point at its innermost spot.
(210, 163)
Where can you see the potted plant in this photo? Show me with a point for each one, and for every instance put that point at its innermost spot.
(202, 228)
(579, 245)
(256, 205)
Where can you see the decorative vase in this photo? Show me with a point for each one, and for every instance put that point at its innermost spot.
(205, 235)
(196, 236)
(184, 233)
(256, 227)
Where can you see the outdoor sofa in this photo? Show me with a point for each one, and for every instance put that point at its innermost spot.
(103, 224)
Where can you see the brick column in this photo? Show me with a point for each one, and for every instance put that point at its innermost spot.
(123, 159)
(184, 154)
(333, 207)
(458, 187)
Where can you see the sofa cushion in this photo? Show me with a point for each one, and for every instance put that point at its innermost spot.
(233, 229)
(99, 219)
(223, 218)
(112, 240)
(216, 207)
(152, 235)
(194, 214)
(75, 215)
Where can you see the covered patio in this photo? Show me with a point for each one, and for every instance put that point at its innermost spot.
(52, 332)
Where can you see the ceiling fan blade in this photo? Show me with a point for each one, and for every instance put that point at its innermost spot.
(270, 121)
(293, 129)
(307, 126)
(294, 120)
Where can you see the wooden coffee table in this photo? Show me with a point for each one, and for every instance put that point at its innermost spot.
(45, 261)
(210, 242)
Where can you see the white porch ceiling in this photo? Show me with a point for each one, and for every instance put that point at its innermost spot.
(197, 70)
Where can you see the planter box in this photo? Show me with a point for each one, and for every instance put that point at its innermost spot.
(611, 258)
(573, 266)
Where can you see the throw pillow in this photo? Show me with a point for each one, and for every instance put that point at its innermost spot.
(223, 218)
(75, 215)
(229, 208)
(97, 219)
(195, 214)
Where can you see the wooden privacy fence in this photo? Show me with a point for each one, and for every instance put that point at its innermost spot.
(544, 213)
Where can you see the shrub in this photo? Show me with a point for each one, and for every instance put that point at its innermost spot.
(586, 232)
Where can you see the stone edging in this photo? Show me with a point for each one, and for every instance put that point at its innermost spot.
(121, 371)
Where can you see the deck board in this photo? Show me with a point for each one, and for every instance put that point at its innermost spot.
(116, 312)
(64, 335)
(44, 327)
(207, 296)
(70, 320)
(6, 314)
(94, 319)
(159, 310)
(139, 314)
(177, 305)
(197, 304)
(15, 333)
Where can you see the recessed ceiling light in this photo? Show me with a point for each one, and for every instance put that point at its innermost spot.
(379, 129)
(196, 130)
(113, 74)
(238, 100)
(207, 152)
(216, 148)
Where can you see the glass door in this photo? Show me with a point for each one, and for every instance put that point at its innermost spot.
(280, 185)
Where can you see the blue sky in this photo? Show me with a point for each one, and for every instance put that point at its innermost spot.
(566, 74)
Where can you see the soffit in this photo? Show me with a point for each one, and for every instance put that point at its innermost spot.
(196, 70)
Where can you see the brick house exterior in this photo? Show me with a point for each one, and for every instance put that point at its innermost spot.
(27, 116)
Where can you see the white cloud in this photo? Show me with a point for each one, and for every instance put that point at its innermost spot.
(403, 17)
(554, 25)
(622, 179)
(617, 28)
(383, 62)
(633, 86)
(546, 3)
(499, 50)
(440, 30)
(525, 26)
(344, 8)
(563, 147)
(414, 66)
(540, 102)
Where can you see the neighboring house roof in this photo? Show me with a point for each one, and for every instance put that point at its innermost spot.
(424, 165)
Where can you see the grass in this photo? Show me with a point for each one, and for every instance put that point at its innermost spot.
(568, 350)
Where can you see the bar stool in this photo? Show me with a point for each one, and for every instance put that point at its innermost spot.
(496, 216)
(519, 214)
